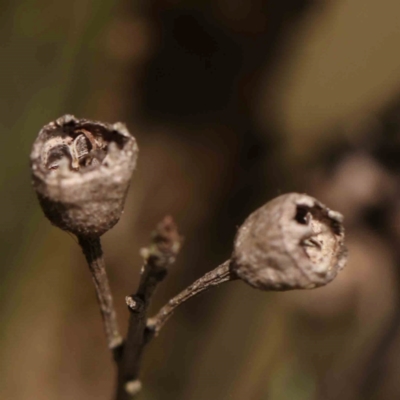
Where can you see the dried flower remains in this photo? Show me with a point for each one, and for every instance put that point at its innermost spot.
(81, 171)
(292, 242)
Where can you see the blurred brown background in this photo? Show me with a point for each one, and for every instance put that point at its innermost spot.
(232, 102)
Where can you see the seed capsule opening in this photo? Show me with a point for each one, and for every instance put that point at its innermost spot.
(324, 240)
(82, 143)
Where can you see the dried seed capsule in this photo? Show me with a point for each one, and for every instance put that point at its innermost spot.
(292, 242)
(81, 171)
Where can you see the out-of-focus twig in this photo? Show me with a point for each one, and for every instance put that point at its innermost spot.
(159, 255)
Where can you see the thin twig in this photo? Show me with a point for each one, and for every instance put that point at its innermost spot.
(91, 247)
(219, 275)
(161, 253)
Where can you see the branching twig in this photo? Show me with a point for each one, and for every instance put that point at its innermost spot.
(81, 171)
(215, 277)
(91, 247)
(292, 242)
(161, 253)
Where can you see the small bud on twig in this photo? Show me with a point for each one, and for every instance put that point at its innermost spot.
(292, 242)
(81, 171)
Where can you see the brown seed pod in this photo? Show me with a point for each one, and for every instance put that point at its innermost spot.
(81, 171)
(292, 242)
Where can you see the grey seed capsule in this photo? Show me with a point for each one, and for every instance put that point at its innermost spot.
(85, 196)
(292, 242)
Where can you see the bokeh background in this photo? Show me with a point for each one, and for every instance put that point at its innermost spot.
(232, 103)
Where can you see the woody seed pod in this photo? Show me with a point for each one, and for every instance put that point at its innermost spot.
(292, 242)
(81, 171)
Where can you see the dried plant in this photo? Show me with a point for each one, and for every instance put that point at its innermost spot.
(81, 171)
